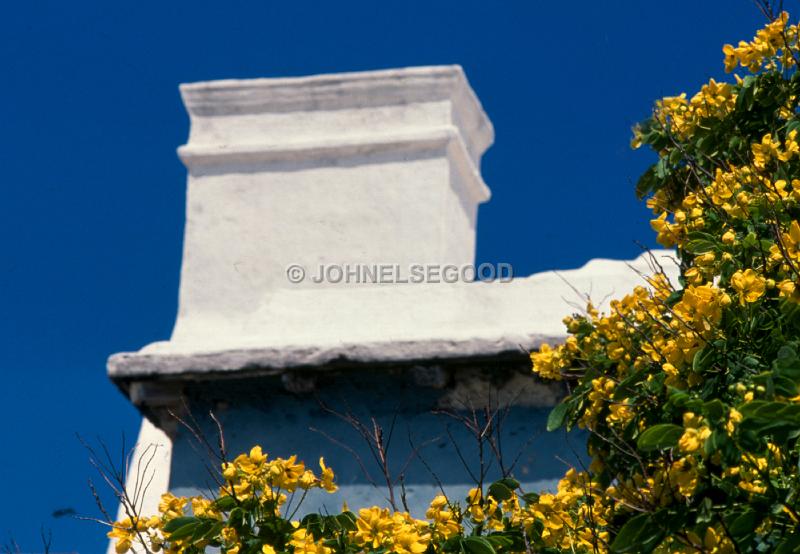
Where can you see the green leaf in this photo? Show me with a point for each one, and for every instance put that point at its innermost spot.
(202, 529)
(225, 503)
(347, 520)
(674, 298)
(174, 524)
(185, 531)
(762, 417)
(718, 442)
(789, 545)
(453, 544)
(659, 437)
(766, 411)
(214, 531)
(787, 364)
(478, 545)
(703, 359)
(640, 535)
(786, 353)
(557, 416)
(499, 541)
(499, 491)
(646, 183)
(236, 517)
(661, 169)
(510, 482)
(793, 125)
(784, 386)
(744, 524)
(744, 99)
(629, 385)
(714, 410)
(700, 246)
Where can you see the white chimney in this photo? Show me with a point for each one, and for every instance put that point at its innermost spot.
(375, 169)
(380, 167)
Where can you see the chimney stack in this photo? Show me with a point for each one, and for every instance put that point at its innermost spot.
(380, 167)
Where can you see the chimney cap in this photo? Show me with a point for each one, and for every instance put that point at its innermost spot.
(361, 90)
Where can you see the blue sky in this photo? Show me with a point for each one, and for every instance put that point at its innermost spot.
(92, 205)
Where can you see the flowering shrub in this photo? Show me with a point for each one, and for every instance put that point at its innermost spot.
(689, 391)
(254, 513)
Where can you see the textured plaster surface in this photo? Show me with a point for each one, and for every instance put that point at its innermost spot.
(388, 323)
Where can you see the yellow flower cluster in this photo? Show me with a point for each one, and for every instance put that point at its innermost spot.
(445, 518)
(753, 473)
(548, 362)
(128, 531)
(694, 435)
(769, 42)
(675, 334)
(737, 193)
(573, 518)
(250, 477)
(304, 543)
(714, 541)
(682, 116)
(378, 529)
(675, 383)
(253, 474)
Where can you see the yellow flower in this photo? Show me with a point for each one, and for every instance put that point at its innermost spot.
(128, 530)
(171, 506)
(474, 504)
(667, 232)
(286, 474)
(372, 526)
(229, 534)
(717, 542)
(548, 362)
(729, 237)
(124, 533)
(407, 540)
(760, 51)
(326, 477)
(790, 146)
(734, 417)
(620, 412)
(693, 440)
(203, 507)
(749, 284)
(229, 471)
(267, 549)
(636, 141)
(791, 245)
(683, 473)
(304, 543)
(789, 290)
(252, 463)
(307, 480)
(444, 521)
(731, 60)
(695, 433)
